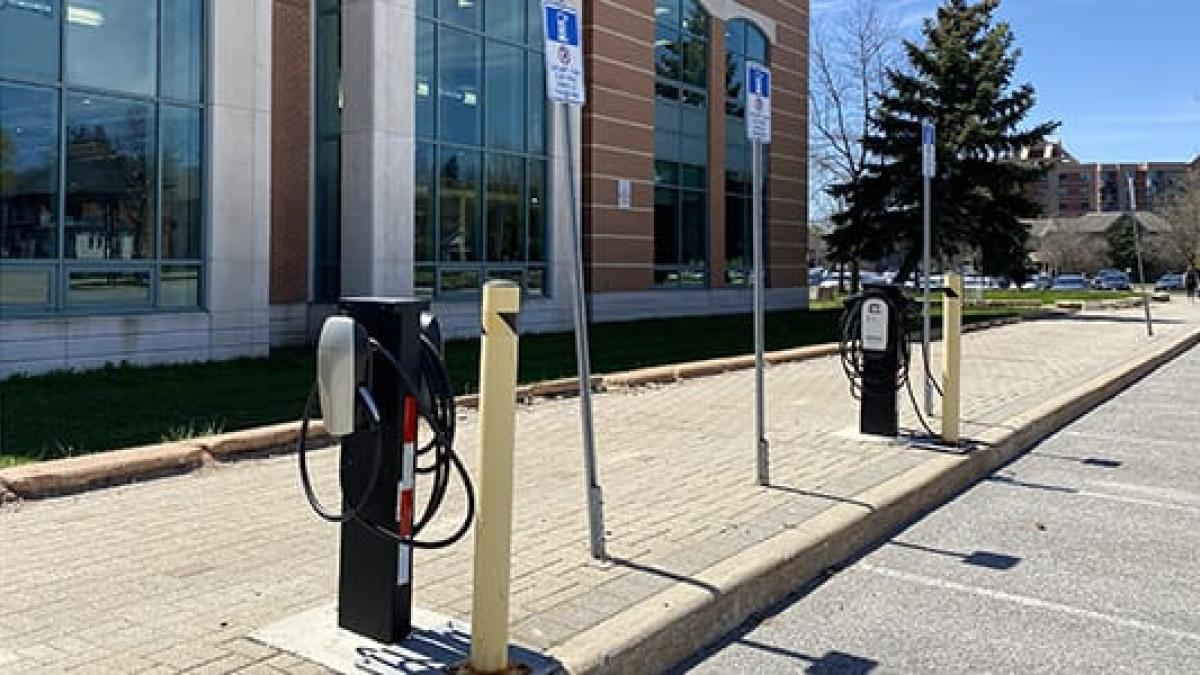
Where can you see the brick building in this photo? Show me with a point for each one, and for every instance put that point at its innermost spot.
(202, 179)
(1072, 188)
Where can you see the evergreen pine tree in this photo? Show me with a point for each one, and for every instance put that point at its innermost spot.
(962, 81)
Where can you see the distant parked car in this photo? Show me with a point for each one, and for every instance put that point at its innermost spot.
(1112, 280)
(1070, 282)
(1169, 282)
(1040, 282)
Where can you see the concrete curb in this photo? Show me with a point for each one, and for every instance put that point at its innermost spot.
(667, 628)
(56, 478)
(61, 477)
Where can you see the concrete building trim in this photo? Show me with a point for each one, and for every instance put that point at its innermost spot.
(236, 319)
(728, 10)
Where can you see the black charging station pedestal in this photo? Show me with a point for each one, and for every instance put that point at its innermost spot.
(879, 414)
(370, 565)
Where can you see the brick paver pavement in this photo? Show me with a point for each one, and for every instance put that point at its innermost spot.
(173, 574)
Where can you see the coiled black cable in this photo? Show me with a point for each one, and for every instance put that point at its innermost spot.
(853, 357)
(440, 416)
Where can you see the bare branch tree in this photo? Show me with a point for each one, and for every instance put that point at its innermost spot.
(850, 54)
(1182, 212)
(1068, 249)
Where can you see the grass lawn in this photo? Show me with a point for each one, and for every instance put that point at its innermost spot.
(61, 415)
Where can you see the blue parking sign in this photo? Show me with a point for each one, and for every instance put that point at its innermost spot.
(758, 102)
(565, 81)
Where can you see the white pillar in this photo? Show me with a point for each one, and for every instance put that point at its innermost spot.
(378, 145)
(239, 195)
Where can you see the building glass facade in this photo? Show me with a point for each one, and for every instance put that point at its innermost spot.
(327, 152)
(681, 144)
(743, 42)
(101, 156)
(481, 154)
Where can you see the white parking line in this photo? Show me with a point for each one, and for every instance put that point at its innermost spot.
(1130, 440)
(1027, 601)
(1141, 502)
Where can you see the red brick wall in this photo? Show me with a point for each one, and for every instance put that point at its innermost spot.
(290, 141)
(618, 142)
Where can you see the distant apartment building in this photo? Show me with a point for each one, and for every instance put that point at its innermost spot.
(1072, 188)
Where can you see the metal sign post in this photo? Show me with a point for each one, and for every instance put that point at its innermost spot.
(758, 129)
(1137, 247)
(928, 168)
(566, 86)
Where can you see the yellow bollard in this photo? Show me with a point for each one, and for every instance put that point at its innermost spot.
(494, 467)
(951, 357)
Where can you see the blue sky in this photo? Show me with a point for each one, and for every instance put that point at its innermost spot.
(1123, 76)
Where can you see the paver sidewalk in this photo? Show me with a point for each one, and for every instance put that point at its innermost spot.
(173, 574)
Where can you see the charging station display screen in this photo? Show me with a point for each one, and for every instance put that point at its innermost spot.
(874, 325)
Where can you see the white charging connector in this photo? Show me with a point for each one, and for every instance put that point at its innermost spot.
(337, 376)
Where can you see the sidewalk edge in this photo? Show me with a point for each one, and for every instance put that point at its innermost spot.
(667, 628)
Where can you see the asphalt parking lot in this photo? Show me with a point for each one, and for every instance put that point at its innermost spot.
(1083, 556)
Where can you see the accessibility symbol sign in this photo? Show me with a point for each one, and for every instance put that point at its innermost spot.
(758, 99)
(565, 81)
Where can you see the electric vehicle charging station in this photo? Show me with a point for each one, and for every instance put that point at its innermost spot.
(875, 356)
(379, 372)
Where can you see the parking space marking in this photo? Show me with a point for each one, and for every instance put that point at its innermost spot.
(1141, 502)
(1027, 601)
(1169, 494)
(1131, 440)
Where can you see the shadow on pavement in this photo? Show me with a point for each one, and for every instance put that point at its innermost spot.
(988, 559)
(821, 495)
(1013, 482)
(665, 574)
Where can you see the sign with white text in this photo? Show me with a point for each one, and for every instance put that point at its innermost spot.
(758, 102)
(565, 81)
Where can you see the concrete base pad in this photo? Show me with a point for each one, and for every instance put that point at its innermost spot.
(438, 644)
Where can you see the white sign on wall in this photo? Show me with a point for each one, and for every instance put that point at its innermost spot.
(624, 194)
(565, 81)
(758, 102)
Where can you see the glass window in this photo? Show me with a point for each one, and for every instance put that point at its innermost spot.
(481, 179)
(113, 45)
(505, 19)
(459, 187)
(423, 211)
(102, 155)
(460, 12)
(425, 79)
(535, 128)
(182, 49)
(182, 177)
(536, 212)
(666, 226)
(458, 74)
(505, 219)
(693, 228)
(459, 280)
(179, 287)
(26, 288)
(28, 173)
(110, 288)
(744, 42)
(29, 40)
(534, 33)
(110, 178)
(667, 12)
(505, 113)
(681, 144)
